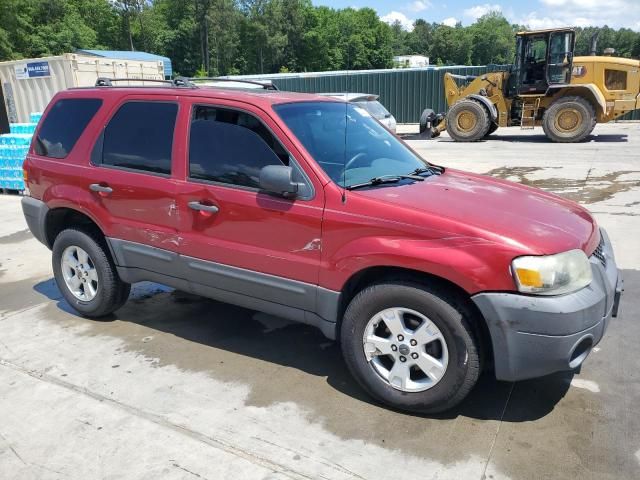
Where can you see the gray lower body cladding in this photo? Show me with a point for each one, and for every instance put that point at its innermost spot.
(291, 299)
(534, 336)
(35, 213)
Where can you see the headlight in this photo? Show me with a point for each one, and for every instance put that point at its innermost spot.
(552, 274)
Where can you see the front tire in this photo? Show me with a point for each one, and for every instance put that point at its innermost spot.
(426, 119)
(86, 275)
(569, 120)
(411, 346)
(468, 121)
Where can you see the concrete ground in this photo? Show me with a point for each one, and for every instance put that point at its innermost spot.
(175, 386)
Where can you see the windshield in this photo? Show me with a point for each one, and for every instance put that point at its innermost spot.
(368, 150)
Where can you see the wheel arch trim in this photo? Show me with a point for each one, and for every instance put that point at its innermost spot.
(581, 90)
(493, 111)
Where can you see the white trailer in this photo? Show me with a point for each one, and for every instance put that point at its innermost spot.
(28, 85)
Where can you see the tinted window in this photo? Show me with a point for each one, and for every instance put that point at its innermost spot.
(374, 108)
(64, 124)
(229, 146)
(140, 136)
(615, 79)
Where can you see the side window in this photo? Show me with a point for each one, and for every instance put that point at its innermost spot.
(230, 146)
(64, 124)
(140, 137)
(615, 79)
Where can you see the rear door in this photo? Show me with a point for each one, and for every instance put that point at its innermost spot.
(235, 237)
(131, 179)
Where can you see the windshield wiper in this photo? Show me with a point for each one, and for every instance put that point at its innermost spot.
(432, 169)
(385, 179)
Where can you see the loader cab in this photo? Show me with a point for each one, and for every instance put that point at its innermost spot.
(544, 58)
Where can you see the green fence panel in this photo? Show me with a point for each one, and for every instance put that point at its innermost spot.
(404, 92)
(635, 115)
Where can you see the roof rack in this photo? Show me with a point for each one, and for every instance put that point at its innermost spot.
(176, 82)
(184, 82)
(266, 84)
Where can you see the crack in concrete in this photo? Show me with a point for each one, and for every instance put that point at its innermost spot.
(495, 437)
(12, 449)
(177, 465)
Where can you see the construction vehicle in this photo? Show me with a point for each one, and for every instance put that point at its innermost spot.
(547, 86)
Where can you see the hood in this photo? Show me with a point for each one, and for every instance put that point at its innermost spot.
(527, 218)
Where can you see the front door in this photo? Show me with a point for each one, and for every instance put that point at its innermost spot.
(236, 238)
(560, 62)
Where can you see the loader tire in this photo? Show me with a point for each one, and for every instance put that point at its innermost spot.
(569, 120)
(468, 121)
(492, 128)
(426, 119)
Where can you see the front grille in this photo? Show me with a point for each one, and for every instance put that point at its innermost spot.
(599, 252)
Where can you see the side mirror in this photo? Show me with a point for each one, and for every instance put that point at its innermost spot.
(278, 179)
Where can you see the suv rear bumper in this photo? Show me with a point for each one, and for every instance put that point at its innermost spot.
(534, 336)
(35, 213)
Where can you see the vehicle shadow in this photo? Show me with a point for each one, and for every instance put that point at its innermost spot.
(541, 138)
(235, 330)
(519, 138)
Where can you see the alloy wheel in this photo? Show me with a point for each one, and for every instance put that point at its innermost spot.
(406, 349)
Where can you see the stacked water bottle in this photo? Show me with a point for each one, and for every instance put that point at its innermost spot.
(13, 150)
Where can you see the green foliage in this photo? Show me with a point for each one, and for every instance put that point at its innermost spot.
(493, 41)
(626, 42)
(225, 37)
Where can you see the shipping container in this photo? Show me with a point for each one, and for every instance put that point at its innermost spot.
(28, 85)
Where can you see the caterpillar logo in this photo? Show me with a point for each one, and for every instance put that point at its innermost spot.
(579, 71)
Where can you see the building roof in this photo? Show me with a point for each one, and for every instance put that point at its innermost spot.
(127, 55)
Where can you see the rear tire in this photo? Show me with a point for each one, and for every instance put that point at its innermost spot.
(394, 373)
(569, 120)
(468, 121)
(86, 275)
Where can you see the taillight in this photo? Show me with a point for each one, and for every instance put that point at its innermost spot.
(25, 175)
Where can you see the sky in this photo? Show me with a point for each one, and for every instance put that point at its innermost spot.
(533, 13)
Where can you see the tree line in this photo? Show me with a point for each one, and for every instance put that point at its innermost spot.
(226, 37)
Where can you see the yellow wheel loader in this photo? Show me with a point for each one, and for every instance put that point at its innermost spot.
(547, 86)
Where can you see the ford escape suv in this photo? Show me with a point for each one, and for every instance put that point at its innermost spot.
(307, 208)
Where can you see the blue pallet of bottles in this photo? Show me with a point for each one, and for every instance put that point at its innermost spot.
(11, 184)
(35, 117)
(13, 151)
(15, 139)
(24, 128)
(9, 154)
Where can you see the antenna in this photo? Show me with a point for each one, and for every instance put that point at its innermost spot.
(346, 125)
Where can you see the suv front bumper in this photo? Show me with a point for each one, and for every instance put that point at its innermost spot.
(534, 336)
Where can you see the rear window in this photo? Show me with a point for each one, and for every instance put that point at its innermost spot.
(375, 108)
(64, 124)
(140, 137)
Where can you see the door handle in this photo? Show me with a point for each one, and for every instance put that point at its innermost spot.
(96, 187)
(203, 208)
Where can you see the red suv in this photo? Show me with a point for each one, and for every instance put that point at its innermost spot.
(307, 208)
